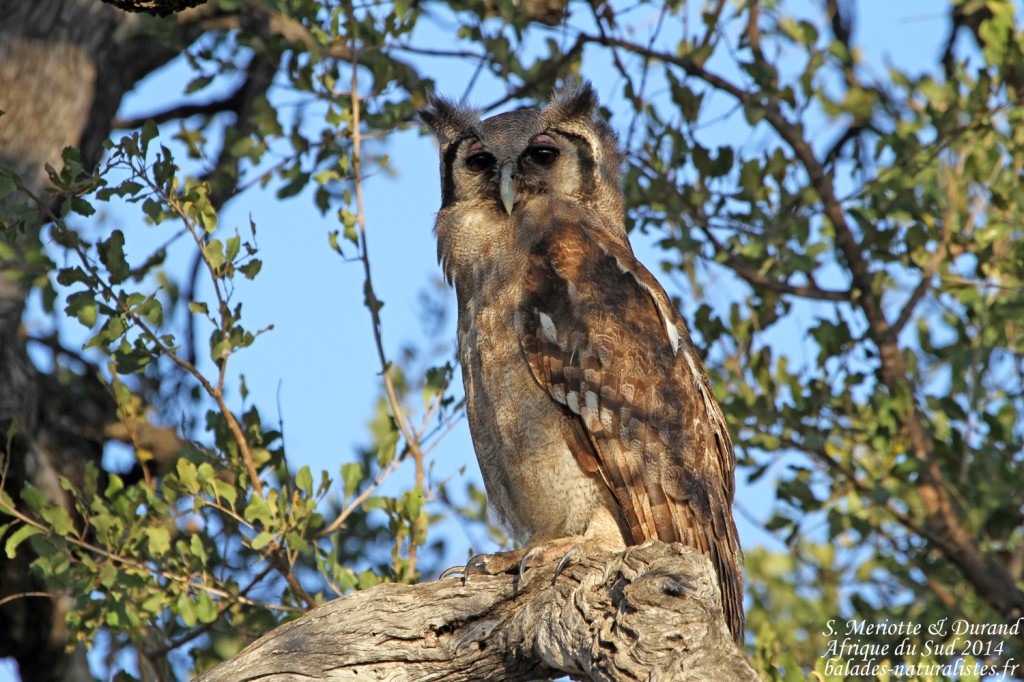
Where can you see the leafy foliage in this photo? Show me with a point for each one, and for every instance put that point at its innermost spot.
(877, 213)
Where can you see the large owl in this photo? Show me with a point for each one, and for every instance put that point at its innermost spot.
(592, 416)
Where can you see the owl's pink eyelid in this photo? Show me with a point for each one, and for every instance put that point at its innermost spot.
(544, 140)
(477, 146)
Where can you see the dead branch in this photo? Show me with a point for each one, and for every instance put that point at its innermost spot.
(649, 613)
(160, 7)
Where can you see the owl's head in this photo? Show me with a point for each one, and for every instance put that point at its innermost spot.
(564, 150)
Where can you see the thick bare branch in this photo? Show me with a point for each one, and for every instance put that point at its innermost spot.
(160, 7)
(651, 612)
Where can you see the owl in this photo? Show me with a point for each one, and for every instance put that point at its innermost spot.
(592, 417)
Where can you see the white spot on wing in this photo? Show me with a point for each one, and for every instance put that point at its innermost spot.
(673, 335)
(572, 399)
(589, 412)
(547, 328)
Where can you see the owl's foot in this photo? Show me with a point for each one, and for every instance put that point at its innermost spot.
(562, 550)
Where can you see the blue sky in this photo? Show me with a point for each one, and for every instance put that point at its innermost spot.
(319, 364)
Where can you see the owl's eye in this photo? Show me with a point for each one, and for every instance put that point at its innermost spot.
(479, 162)
(542, 154)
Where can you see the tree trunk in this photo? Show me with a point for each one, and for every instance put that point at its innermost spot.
(650, 613)
(64, 67)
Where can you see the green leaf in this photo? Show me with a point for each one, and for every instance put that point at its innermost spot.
(19, 536)
(304, 480)
(372, 503)
(206, 610)
(368, 579)
(149, 133)
(68, 276)
(7, 185)
(437, 380)
(351, 476)
(159, 540)
(195, 545)
(186, 609)
(332, 240)
(197, 84)
(214, 251)
(82, 307)
(996, 32)
(263, 539)
(258, 510)
(34, 498)
(208, 218)
(206, 472)
(413, 502)
(188, 475)
(346, 578)
(350, 222)
(80, 206)
(114, 486)
(154, 603)
(225, 491)
(251, 269)
(112, 256)
(58, 518)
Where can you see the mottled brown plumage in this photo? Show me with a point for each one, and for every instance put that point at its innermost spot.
(591, 413)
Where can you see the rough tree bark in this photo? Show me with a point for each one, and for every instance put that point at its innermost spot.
(160, 7)
(650, 613)
(64, 67)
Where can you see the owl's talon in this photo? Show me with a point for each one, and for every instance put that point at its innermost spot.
(476, 564)
(530, 553)
(452, 572)
(563, 563)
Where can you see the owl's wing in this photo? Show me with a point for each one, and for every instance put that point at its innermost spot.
(603, 338)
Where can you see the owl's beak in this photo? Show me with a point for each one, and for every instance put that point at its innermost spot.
(507, 187)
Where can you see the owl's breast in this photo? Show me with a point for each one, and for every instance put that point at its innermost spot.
(521, 436)
(475, 242)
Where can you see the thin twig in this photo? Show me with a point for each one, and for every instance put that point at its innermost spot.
(23, 595)
(756, 279)
(371, 298)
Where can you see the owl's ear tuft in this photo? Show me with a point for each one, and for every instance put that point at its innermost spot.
(573, 101)
(448, 119)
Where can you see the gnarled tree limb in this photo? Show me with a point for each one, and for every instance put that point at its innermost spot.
(649, 613)
(160, 7)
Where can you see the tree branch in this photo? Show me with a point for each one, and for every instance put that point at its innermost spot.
(159, 7)
(230, 103)
(651, 612)
(756, 279)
